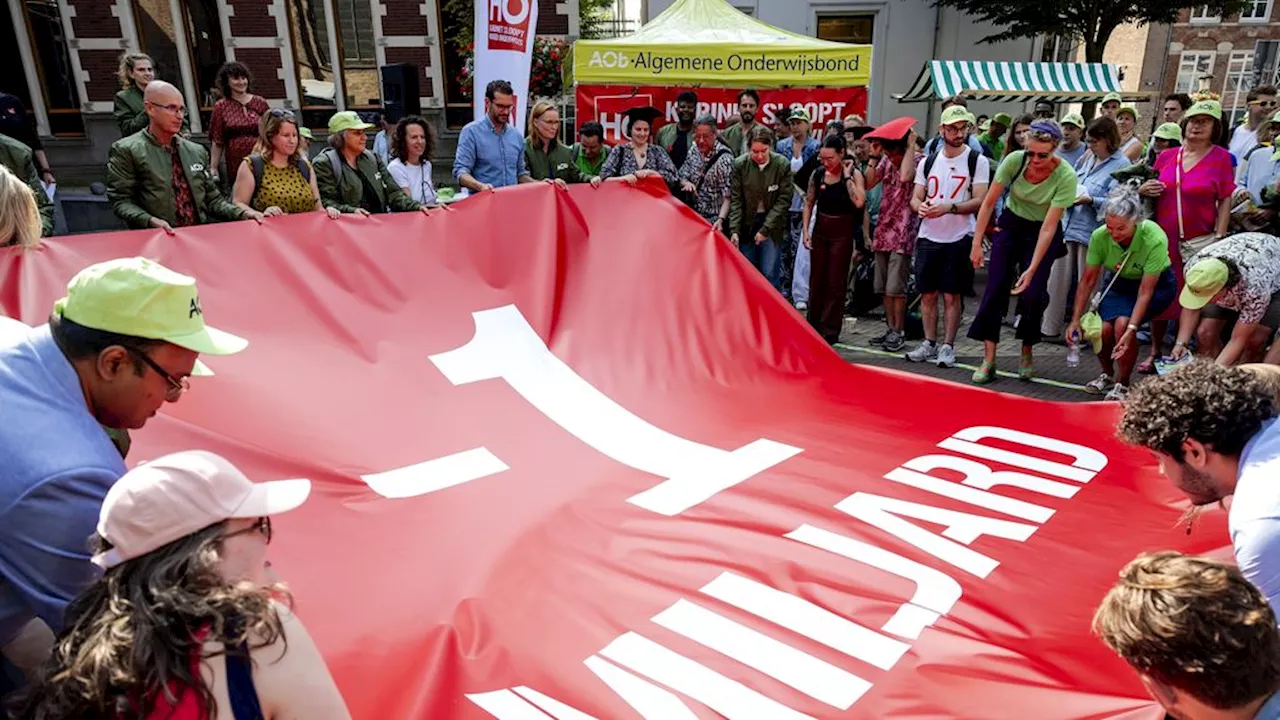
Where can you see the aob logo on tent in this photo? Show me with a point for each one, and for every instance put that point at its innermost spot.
(609, 59)
(508, 24)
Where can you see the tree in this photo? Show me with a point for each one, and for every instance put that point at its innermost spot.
(595, 18)
(1089, 22)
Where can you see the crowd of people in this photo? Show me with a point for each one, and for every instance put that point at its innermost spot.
(1087, 231)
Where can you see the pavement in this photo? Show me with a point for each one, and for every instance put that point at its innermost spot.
(1055, 380)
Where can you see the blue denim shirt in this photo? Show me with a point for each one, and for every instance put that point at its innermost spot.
(489, 157)
(1096, 178)
(58, 465)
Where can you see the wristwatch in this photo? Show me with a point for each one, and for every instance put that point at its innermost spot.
(951, 210)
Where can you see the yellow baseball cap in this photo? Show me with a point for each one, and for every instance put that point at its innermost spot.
(1168, 131)
(144, 299)
(1204, 280)
(1131, 110)
(1212, 108)
(1111, 97)
(1002, 119)
(306, 133)
(1073, 119)
(347, 120)
(957, 114)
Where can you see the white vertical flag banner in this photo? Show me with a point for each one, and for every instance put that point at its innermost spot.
(504, 50)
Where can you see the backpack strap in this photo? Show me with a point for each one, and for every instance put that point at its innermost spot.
(258, 165)
(928, 164)
(336, 163)
(973, 168)
(245, 704)
(304, 167)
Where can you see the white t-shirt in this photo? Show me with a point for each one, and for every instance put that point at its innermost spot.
(1254, 519)
(415, 177)
(1242, 141)
(949, 182)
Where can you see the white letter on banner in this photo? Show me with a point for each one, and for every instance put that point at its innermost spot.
(432, 475)
(936, 592)
(506, 347)
(816, 678)
(649, 700)
(506, 705)
(1086, 462)
(805, 618)
(980, 476)
(980, 498)
(728, 697)
(883, 512)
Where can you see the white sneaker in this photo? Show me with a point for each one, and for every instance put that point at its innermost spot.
(1099, 385)
(946, 356)
(925, 351)
(1118, 393)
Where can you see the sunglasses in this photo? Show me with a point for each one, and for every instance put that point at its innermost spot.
(1264, 103)
(281, 113)
(262, 526)
(1039, 155)
(176, 386)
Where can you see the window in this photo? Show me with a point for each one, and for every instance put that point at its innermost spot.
(208, 52)
(1266, 57)
(856, 29)
(1239, 79)
(1203, 14)
(1257, 11)
(309, 23)
(1192, 68)
(49, 43)
(1058, 49)
(359, 61)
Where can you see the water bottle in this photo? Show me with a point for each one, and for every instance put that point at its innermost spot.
(1073, 350)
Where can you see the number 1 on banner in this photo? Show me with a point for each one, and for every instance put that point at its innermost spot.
(506, 347)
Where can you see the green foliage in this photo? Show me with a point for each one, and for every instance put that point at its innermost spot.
(459, 20)
(593, 18)
(1089, 22)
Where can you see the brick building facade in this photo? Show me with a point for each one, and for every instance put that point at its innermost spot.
(1225, 55)
(69, 52)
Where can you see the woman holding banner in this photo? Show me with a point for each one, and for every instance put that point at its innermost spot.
(637, 158)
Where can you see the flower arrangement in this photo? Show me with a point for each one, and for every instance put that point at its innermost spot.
(466, 74)
(546, 72)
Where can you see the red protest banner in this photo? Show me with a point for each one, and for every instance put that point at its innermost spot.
(606, 103)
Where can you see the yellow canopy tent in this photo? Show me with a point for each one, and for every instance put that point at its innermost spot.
(710, 43)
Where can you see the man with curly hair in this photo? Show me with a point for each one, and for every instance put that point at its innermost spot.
(1202, 639)
(1213, 430)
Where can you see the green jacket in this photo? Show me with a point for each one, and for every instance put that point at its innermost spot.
(750, 186)
(666, 136)
(20, 160)
(345, 193)
(555, 165)
(140, 182)
(130, 112)
(735, 138)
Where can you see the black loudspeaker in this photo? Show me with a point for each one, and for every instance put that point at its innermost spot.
(400, 91)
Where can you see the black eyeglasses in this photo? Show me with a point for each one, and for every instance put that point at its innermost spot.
(262, 525)
(176, 386)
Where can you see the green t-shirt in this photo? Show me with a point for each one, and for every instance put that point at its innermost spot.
(994, 144)
(1033, 201)
(1150, 248)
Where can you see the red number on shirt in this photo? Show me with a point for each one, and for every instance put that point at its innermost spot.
(932, 186)
(960, 180)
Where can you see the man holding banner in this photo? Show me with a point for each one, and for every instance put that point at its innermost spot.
(491, 149)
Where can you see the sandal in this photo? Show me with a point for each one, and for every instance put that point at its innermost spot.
(1146, 367)
(985, 374)
(1026, 367)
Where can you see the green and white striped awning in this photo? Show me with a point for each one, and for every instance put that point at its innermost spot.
(1013, 81)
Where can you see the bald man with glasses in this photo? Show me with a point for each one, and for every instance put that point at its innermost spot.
(158, 179)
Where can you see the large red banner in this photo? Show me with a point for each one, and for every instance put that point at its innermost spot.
(606, 104)
(591, 465)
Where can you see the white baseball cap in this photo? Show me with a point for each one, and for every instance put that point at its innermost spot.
(175, 495)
